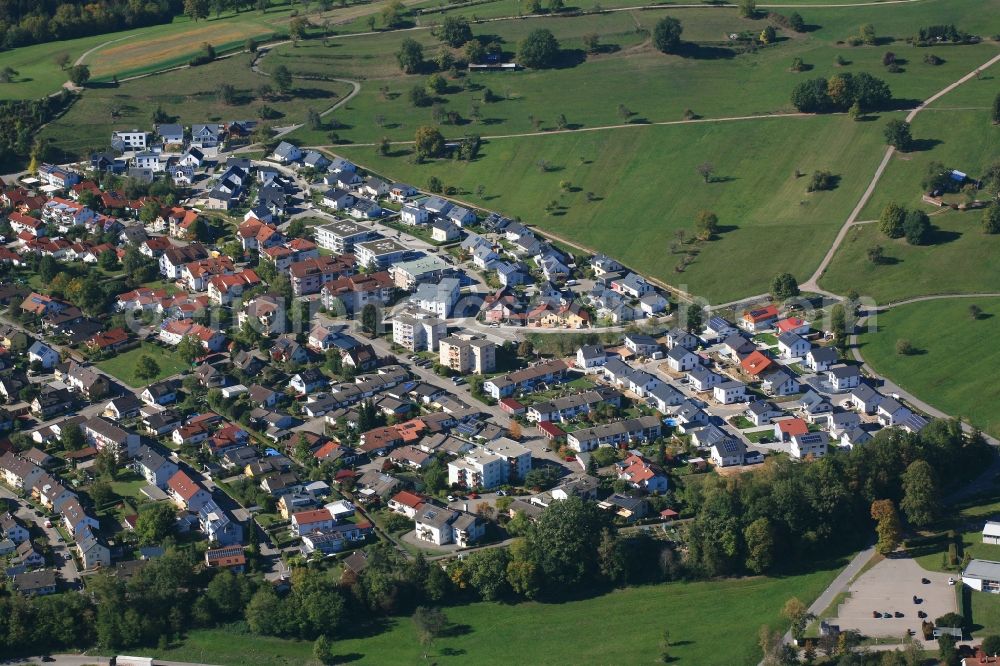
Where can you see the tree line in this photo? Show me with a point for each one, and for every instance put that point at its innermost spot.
(24, 22)
(795, 512)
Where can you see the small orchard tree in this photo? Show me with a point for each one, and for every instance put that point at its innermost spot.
(79, 75)
(917, 227)
(706, 224)
(991, 219)
(890, 221)
(455, 31)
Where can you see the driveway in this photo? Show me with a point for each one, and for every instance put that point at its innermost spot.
(890, 586)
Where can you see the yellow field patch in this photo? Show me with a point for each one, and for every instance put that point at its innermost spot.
(134, 54)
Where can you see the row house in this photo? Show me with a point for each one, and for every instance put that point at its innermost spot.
(172, 332)
(224, 289)
(351, 293)
(642, 428)
(197, 273)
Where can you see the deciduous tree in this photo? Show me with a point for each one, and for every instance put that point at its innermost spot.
(539, 50)
(667, 34)
(887, 527)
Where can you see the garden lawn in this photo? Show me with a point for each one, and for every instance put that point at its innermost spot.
(191, 99)
(955, 366)
(645, 189)
(634, 617)
(123, 365)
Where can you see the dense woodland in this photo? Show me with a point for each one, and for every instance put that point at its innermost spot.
(24, 22)
(786, 512)
(20, 121)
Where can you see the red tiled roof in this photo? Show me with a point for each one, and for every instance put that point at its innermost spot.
(755, 363)
(115, 336)
(181, 484)
(406, 498)
(793, 427)
(313, 516)
(761, 314)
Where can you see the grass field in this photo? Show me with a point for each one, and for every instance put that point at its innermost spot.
(191, 99)
(623, 627)
(123, 365)
(910, 270)
(960, 136)
(657, 87)
(953, 370)
(646, 187)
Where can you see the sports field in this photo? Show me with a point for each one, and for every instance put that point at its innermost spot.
(645, 187)
(955, 366)
(623, 627)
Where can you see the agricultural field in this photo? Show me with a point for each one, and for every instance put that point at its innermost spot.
(143, 50)
(952, 368)
(123, 365)
(645, 188)
(635, 616)
(191, 99)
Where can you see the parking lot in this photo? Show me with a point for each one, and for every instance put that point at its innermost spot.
(889, 587)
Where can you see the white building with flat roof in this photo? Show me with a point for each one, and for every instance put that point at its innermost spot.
(341, 237)
(380, 253)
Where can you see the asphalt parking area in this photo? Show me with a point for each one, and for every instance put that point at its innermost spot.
(889, 587)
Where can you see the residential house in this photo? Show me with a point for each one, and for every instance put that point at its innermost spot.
(187, 493)
(812, 444)
(791, 345)
(103, 434)
(759, 319)
(680, 359)
(154, 467)
(844, 377)
(819, 359)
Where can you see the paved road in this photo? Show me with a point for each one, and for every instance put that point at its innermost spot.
(91, 660)
(60, 549)
(838, 585)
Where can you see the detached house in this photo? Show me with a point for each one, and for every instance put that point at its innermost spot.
(791, 345)
(759, 319)
(154, 467)
(102, 434)
(844, 377)
(680, 359)
(186, 493)
(820, 359)
(41, 353)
